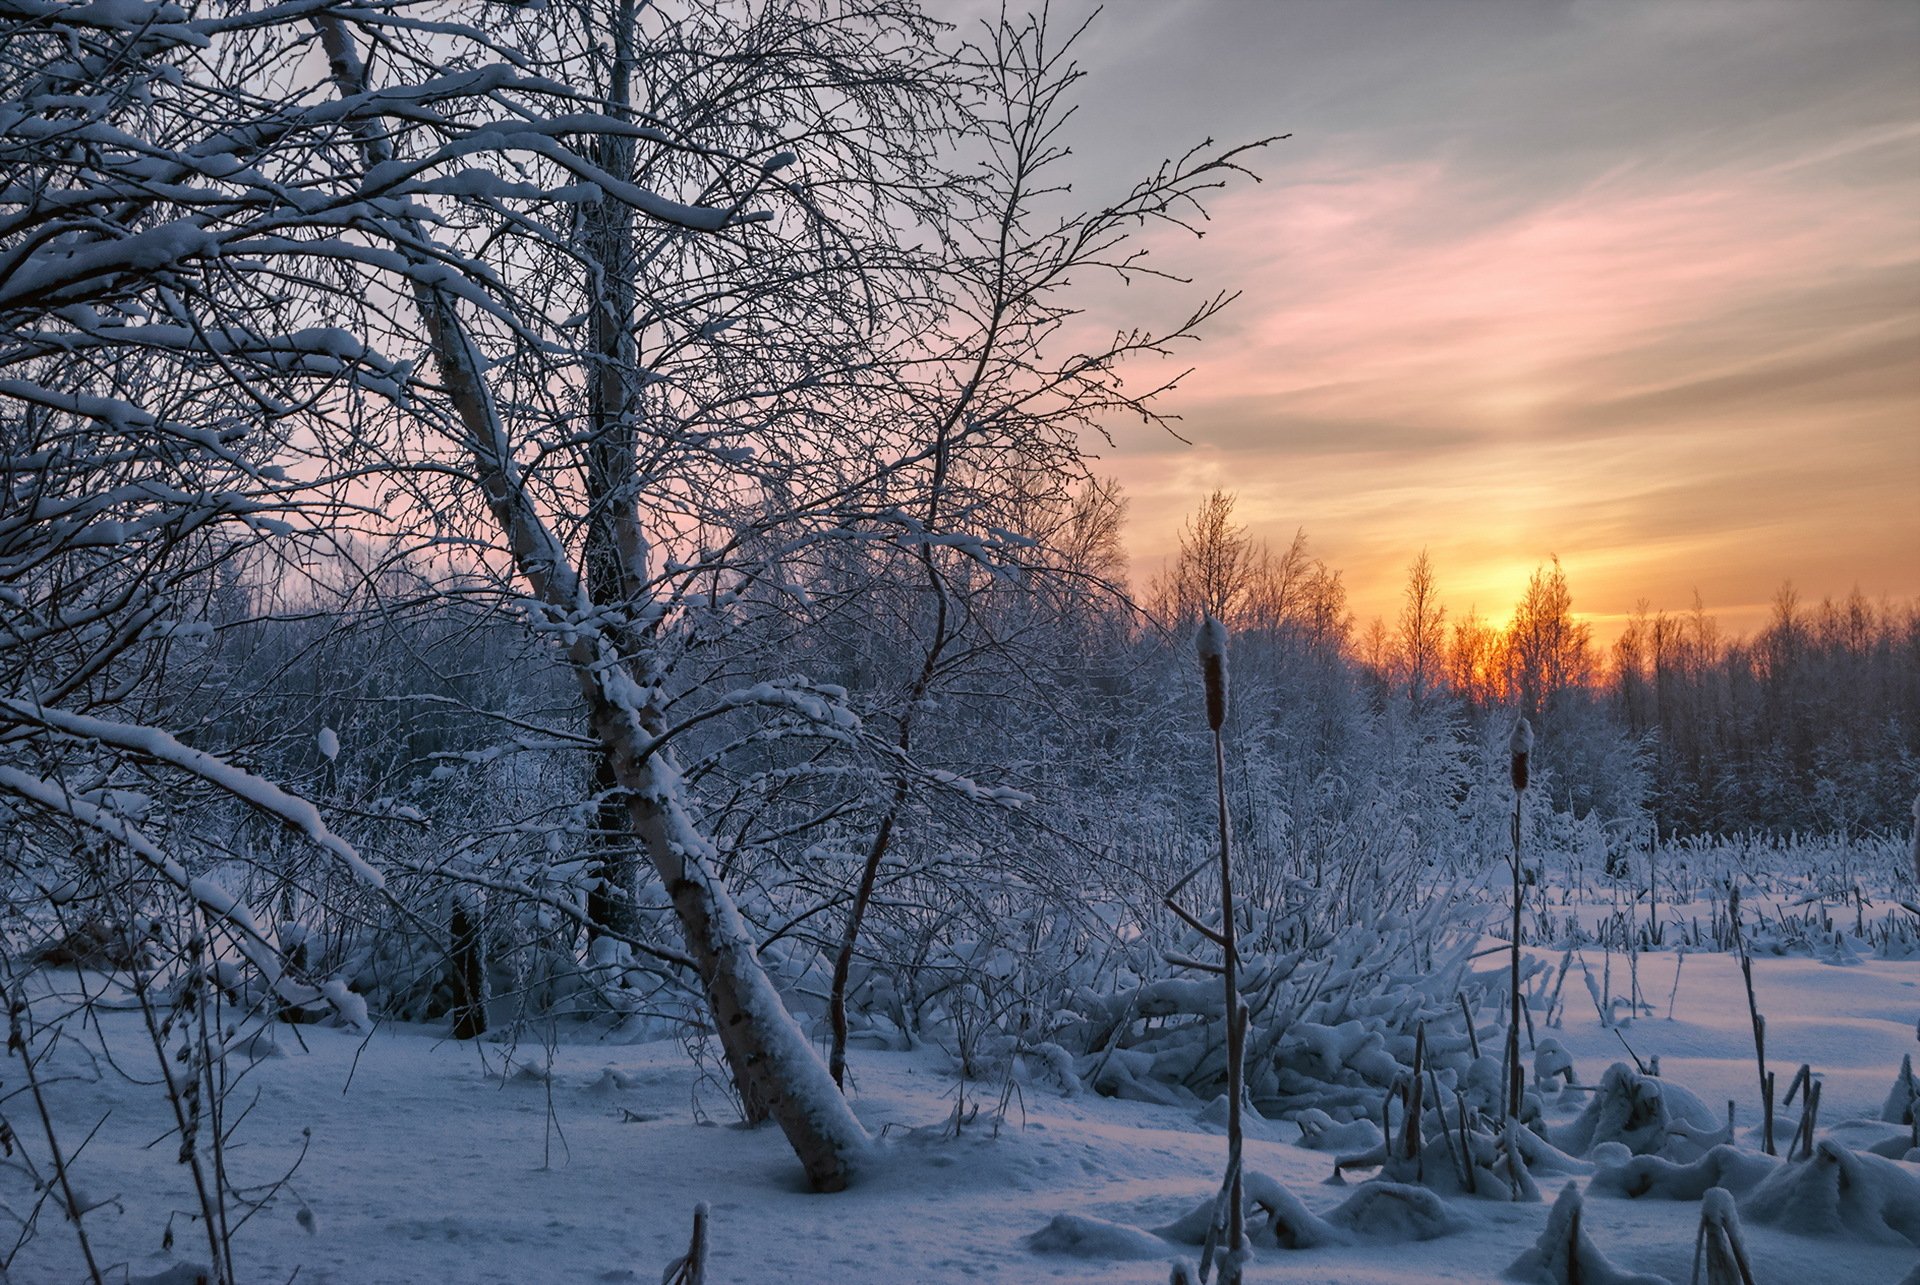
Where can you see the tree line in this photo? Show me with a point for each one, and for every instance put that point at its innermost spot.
(1810, 725)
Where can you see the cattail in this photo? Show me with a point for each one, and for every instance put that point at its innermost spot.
(1521, 743)
(1212, 645)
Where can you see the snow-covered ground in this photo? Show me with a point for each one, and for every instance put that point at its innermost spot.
(430, 1160)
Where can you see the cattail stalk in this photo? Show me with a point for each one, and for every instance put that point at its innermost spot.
(1718, 1247)
(691, 1267)
(1521, 746)
(1759, 1042)
(1212, 646)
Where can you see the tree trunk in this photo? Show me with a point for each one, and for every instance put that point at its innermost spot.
(612, 415)
(775, 1067)
(468, 965)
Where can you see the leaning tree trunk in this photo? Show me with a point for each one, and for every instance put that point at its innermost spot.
(773, 1064)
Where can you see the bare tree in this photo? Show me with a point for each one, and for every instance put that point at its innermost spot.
(1000, 417)
(1215, 567)
(152, 384)
(1422, 632)
(1548, 650)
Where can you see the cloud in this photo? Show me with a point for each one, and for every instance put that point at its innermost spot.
(1632, 283)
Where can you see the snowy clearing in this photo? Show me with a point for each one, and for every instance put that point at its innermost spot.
(436, 1160)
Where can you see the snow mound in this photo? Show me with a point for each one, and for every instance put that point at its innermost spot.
(1837, 1192)
(1078, 1236)
(1719, 1244)
(1351, 1045)
(1876, 1136)
(259, 1044)
(1902, 1097)
(1275, 1220)
(1662, 1179)
(1895, 1146)
(1252, 1123)
(1566, 1255)
(1543, 1157)
(1646, 1115)
(1278, 1220)
(178, 1274)
(612, 1081)
(527, 1073)
(1551, 1062)
(1049, 1064)
(1320, 1132)
(1395, 1211)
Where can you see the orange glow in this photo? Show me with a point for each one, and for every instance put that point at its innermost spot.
(1713, 385)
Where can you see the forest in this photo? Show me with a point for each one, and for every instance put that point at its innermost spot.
(540, 534)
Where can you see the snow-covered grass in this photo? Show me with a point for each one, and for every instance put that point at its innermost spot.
(434, 1160)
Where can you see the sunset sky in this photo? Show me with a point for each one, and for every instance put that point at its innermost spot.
(1636, 284)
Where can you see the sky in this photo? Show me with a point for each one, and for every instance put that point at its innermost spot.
(1633, 284)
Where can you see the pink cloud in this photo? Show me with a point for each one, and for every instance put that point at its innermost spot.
(1498, 379)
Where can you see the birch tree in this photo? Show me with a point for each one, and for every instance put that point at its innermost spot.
(636, 315)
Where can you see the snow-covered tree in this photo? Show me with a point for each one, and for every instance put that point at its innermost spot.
(644, 310)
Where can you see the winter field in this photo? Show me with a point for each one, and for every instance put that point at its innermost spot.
(575, 705)
(559, 1150)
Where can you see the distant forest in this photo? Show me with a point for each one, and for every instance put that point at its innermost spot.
(1812, 725)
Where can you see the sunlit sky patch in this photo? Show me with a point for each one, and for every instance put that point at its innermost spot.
(1634, 284)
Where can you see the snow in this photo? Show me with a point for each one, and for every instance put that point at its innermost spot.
(1840, 1192)
(1085, 1237)
(206, 893)
(434, 1160)
(1211, 641)
(1648, 1116)
(1566, 1255)
(74, 269)
(1085, 1146)
(1722, 1168)
(1397, 1211)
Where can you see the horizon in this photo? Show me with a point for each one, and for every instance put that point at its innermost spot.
(1736, 622)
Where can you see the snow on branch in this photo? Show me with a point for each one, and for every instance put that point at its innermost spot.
(153, 20)
(159, 746)
(209, 895)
